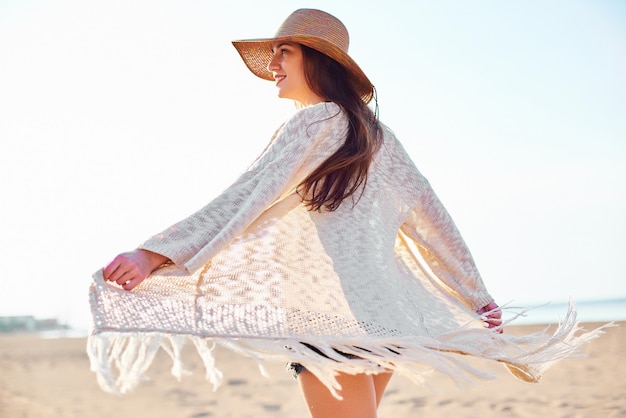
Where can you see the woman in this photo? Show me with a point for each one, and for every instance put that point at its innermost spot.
(331, 251)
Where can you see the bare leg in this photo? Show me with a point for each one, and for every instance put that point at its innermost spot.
(361, 395)
(380, 384)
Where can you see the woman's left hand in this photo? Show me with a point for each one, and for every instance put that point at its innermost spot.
(493, 317)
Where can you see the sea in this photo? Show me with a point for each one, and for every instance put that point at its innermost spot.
(552, 313)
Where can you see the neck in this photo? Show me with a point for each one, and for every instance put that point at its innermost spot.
(310, 101)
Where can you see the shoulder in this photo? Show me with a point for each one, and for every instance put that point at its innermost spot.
(400, 162)
(391, 142)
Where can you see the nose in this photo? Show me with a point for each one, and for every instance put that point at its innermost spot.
(273, 65)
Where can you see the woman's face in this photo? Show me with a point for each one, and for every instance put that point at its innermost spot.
(288, 69)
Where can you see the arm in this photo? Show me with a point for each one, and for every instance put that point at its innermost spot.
(443, 249)
(436, 239)
(306, 140)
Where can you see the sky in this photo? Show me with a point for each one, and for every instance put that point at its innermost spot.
(118, 118)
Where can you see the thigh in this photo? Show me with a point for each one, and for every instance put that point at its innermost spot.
(358, 393)
(380, 384)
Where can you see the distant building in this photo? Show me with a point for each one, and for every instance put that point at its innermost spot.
(28, 323)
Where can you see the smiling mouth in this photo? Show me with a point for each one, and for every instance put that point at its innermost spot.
(279, 78)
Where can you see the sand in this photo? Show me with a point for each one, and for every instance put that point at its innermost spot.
(46, 378)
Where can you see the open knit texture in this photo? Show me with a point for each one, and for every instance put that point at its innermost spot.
(388, 279)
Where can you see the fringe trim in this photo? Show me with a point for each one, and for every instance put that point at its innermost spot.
(526, 357)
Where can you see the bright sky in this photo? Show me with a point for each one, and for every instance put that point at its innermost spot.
(118, 118)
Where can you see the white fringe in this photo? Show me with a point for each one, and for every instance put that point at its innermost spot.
(526, 357)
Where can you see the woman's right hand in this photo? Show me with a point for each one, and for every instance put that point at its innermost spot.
(131, 268)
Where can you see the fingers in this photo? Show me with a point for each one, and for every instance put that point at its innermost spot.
(493, 317)
(131, 284)
(130, 279)
(125, 277)
(115, 269)
(493, 323)
(125, 270)
(493, 320)
(110, 269)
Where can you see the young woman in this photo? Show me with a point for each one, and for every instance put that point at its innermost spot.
(331, 251)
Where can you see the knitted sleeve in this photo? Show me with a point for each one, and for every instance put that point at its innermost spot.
(301, 144)
(441, 246)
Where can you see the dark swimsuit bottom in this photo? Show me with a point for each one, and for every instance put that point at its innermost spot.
(297, 368)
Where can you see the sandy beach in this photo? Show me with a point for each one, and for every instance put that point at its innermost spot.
(50, 378)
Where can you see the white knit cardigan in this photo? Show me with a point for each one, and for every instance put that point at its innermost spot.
(386, 277)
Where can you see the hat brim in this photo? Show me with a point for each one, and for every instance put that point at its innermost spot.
(257, 53)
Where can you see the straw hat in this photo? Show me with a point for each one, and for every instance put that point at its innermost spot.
(315, 29)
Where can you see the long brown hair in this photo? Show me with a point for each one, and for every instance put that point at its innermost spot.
(341, 175)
